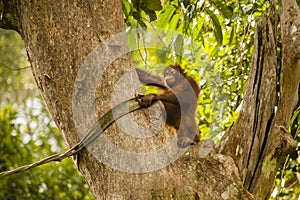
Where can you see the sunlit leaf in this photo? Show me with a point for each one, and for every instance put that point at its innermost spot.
(165, 17)
(174, 22)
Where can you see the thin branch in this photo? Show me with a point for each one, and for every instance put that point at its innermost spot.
(98, 128)
(14, 69)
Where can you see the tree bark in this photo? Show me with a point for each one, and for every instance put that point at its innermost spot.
(261, 131)
(59, 36)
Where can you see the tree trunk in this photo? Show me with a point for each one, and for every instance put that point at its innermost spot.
(260, 141)
(59, 36)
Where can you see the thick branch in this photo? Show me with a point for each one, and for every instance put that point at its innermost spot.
(280, 142)
(259, 140)
(290, 73)
(246, 140)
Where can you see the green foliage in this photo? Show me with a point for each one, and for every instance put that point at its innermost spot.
(28, 134)
(53, 181)
(139, 9)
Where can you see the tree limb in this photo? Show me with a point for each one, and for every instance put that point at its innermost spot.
(98, 128)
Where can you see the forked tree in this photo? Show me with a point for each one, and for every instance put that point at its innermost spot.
(59, 35)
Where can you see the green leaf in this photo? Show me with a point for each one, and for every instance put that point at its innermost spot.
(295, 115)
(154, 5)
(126, 8)
(178, 46)
(165, 17)
(142, 24)
(136, 15)
(152, 15)
(225, 10)
(231, 35)
(197, 30)
(233, 86)
(136, 4)
(174, 22)
(183, 27)
(216, 23)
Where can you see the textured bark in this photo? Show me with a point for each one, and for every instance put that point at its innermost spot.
(261, 131)
(59, 35)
